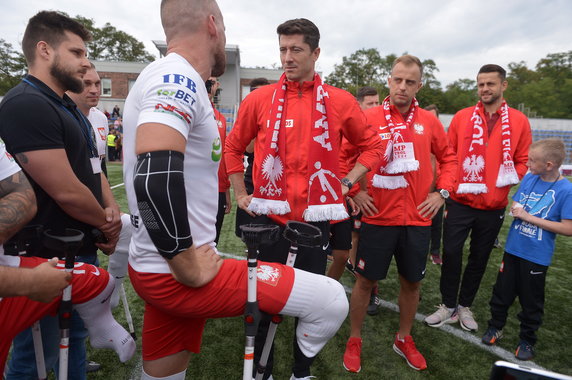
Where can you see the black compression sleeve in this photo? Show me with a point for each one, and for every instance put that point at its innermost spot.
(159, 185)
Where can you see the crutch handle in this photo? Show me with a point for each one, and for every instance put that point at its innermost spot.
(303, 234)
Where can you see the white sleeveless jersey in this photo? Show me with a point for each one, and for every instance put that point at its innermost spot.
(170, 91)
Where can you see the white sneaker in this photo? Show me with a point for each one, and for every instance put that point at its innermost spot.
(441, 316)
(466, 319)
(302, 378)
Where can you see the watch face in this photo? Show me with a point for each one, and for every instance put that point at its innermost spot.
(444, 193)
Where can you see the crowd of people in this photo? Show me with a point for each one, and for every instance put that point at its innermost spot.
(372, 176)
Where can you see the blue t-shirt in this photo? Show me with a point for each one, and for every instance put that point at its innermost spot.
(546, 200)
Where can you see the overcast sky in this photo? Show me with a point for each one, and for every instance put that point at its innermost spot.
(459, 35)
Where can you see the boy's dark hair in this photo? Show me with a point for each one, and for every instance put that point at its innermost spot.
(257, 82)
(492, 68)
(365, 91)
(431, 107)
(49, 26)
(553, 150)
(301, 26)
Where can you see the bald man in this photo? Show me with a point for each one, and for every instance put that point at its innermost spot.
(172, 154)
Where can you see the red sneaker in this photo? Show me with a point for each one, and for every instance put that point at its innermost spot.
(407, 350)
(352, 356)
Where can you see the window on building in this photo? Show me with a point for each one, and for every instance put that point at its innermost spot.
(105, 87)
(131, 83)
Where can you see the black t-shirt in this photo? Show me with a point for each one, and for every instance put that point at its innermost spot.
(33, 117)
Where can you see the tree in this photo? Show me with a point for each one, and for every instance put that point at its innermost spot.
(110, 44)
(365, 67)
(12, 67)
(459, 94)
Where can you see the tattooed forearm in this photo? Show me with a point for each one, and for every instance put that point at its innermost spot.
(17, 205)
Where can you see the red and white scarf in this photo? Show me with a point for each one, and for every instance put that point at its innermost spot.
(472, 170)
(325, 201)
(399, 153)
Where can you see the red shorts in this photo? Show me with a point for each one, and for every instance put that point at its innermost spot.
(19, 313)
(175, 315)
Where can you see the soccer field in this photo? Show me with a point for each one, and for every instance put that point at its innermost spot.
(451, 353)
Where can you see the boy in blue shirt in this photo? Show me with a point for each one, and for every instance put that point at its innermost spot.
(542, 208)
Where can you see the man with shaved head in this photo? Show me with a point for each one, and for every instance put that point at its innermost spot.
(172, 154)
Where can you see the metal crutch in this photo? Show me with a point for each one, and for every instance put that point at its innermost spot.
(69, 244)
(298, 233)
(254, 235)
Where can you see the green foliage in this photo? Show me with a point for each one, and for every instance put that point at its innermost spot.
(12, 67)
(545, 91)
(110, 44)
(365, 67)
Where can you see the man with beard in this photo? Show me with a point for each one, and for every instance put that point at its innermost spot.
(491, 141)
(172, 154)
(55, 146)
(398, 204)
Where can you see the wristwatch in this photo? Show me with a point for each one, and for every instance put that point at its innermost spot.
(444, 193)
(347, 182)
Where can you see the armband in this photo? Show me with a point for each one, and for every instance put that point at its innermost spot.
(159, 186)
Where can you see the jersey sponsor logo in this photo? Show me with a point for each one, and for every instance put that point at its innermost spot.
(102, 134)
(268, 274)
(533, 272)
(361, 264)
(539, 205)
(418, 128)
(181, 80)
(216, 153)
(170, 109)
(179, 94)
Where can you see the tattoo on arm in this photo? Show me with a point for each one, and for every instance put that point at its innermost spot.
(17, 205)
(22, 158)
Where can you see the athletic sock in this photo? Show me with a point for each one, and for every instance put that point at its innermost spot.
(176, 376)
(104, 331)
(302, 363)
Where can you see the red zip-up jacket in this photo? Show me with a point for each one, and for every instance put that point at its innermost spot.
(520, 140)
(398, 207)
(344, 118)
(223, 182)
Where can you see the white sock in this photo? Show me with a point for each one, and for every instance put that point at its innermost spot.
(104, 331)
(322, 306)
(177, 376)
(119, 259)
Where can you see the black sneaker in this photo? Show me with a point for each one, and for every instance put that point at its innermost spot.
(492, 335)
(524, 351)
(350, 268)
(373, 307)
(92, 366)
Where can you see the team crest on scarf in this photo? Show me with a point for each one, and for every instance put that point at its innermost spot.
(272, 171)
(472, 168)
(268, 274)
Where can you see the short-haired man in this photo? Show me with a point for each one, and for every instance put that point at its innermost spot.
(367, 97)
(491, 142)
(86, 102)
(398, 207)
(298, 124)
(55, 146)
(171, 181)
(30, 288)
